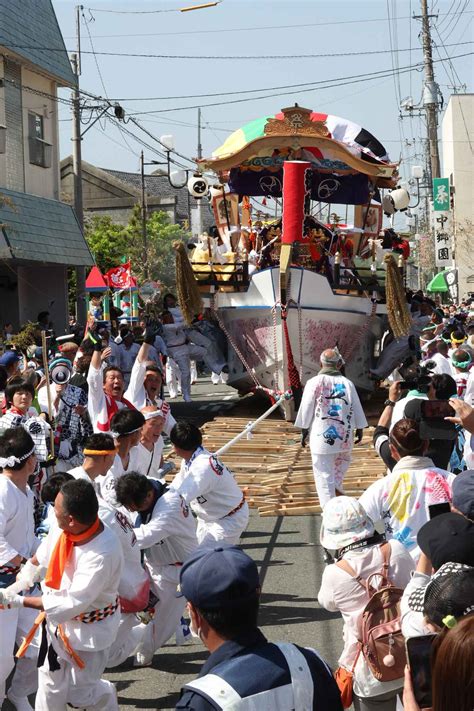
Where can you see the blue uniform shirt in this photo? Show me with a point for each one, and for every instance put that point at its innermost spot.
(251, 664)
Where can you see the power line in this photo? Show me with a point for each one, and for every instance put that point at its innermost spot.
(250, 29)
(133, 12)
(355, 79)
(457, 21)
(232, 57)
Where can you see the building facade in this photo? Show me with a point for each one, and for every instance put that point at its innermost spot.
(458, 166)
(39, 235)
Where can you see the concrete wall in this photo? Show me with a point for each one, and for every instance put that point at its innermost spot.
(43, 289)
(38, 180)
(458, 165)
(16, 171)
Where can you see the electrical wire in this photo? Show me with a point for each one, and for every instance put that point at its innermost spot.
(248, 29)
(311, 88)
(133, 12)
(214, 57)
(457, 21)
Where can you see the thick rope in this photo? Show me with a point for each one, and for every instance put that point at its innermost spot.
(189, 298)
(397, 308)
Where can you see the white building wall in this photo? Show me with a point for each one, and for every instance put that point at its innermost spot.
(458, 165)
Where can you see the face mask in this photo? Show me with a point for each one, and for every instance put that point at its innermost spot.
(195, 633)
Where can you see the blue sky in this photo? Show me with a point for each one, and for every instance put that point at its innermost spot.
(257, 27)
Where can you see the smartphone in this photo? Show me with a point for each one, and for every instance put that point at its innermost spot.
(438, 509)
(419, 660)
(436, 409)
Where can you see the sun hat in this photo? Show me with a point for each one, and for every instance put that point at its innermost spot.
(447, 538)
(344, 521)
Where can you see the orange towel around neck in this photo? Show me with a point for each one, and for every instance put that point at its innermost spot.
(62, 552)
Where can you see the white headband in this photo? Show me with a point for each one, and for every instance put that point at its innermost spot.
(9, 462)
(116, 435)
(150, 415)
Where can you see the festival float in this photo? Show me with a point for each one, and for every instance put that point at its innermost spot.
(284, 292)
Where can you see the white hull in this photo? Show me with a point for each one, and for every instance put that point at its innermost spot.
(317, 319)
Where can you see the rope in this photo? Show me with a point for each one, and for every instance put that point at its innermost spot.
(397, 309)
(234, 346)
(275, 345)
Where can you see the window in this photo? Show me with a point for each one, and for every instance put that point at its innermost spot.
(40, 150)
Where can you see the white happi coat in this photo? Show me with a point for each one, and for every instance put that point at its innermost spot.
(137, 395)
(149, 461)
(17, 537)
(90, 582)
(134, 582)
(330, 408)
(213, 494)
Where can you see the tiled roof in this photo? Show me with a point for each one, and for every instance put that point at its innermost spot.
(30, 28)
(41, 230)
(155, 186)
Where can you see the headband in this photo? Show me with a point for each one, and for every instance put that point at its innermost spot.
(335, 359)
(461, 363)
(150, 415)
(9, 462)
(97, 452)
(116, 435)
(457, 340)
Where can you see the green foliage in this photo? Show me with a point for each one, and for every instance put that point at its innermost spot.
(159, 260)
(108, 241)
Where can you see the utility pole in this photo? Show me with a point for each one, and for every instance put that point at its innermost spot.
(144, 227)
(81, 308)
(200, 224)
(430, 92)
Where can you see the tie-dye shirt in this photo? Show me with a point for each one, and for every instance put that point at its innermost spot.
(401, 499)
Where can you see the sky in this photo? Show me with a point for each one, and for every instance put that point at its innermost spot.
(370, 29)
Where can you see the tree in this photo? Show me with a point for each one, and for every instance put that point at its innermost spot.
(160, 255)
(108, 241)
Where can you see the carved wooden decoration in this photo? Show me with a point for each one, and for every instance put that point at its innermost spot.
(296, 121)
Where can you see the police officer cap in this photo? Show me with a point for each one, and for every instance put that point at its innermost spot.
(223, 577)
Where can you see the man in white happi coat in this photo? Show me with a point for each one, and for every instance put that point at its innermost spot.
(150, 447)
(106, 387)
(330, 413)
(145, 385)
(126, 429)
(166, 533)
(17, 543)
(209, 488)
(134, 588)
(83, 561)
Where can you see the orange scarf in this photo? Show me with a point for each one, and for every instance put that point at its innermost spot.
(62, 552)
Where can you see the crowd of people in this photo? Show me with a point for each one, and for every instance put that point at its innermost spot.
(107, 553)
(401, 556)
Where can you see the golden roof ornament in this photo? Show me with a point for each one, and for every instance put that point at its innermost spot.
(296, 120)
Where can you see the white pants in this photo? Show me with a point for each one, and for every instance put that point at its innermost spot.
(217, 378)
(82, 688)
(329, 471)
(182, 356)
(129, 635)
(227, 530)
(173, 378)
(14, 625)
(168, 610)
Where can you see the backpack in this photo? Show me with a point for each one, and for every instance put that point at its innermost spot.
(381, 640)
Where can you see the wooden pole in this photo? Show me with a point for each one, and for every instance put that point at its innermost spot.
(48, 392)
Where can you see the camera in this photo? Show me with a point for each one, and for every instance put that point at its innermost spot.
(198, 185)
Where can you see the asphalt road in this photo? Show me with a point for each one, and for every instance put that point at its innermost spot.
(289, 558)
(290, 561)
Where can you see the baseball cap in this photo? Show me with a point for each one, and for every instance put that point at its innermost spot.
(222, 577)
(344, 521)
(449, 592)
(9, 358)
(463, 493)
(449, 537)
